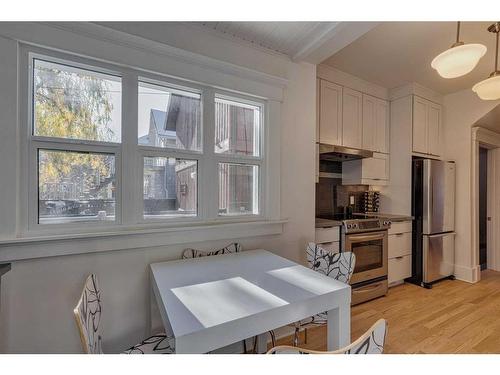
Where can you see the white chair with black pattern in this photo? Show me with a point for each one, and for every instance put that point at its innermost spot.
(339, 266)
(229, 249)
(372, 342)
(88, 313)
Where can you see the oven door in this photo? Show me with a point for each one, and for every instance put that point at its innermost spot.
(370, 250)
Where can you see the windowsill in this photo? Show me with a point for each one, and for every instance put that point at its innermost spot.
(47, 245)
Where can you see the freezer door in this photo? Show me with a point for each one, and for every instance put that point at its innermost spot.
(438, 197)
(439, 256)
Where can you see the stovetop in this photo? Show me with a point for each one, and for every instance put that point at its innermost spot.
(358, 222)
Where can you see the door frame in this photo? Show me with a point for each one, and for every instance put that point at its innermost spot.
(490, 140)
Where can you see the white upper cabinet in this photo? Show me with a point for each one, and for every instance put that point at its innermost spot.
(330, 113)
(367, 171)
(434, 129)
(347, 117)
(426, 127)
(375, 124)
(381, 126)
(369, 122)
(352, 125)
(420, 127)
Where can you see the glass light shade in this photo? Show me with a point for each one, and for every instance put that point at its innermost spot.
(489, 89)
(458, 61)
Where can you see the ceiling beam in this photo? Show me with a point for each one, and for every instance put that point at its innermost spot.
(329, 39)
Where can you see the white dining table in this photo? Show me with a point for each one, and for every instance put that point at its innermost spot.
(210, 302)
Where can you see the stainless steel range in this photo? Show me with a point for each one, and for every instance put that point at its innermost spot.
(367, 238)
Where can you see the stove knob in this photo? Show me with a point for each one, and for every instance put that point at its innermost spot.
(349, 226)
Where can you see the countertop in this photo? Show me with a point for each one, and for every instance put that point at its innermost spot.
(392, 217)
(326, 223)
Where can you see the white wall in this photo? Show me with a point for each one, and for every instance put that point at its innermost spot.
(38, 296)
(461, 110)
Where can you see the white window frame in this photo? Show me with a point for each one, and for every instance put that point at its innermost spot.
(129, 153)
(259, 160)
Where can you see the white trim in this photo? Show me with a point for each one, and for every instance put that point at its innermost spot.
(468, 274)
(108, 45)
(341, 78)
(415, 89)
(482, 137)
(48, 246)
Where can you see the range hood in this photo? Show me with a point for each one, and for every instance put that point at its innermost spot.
(341, 153)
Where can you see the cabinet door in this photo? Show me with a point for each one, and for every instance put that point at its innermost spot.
(434, 129)
(420, 125)
(381, 126)
(376, 168)
(352, 125)
(369, 122)
(330, 113)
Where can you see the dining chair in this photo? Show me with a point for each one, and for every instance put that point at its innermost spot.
(193, 253)
(339, 266)
(371, 342)
(88, 315)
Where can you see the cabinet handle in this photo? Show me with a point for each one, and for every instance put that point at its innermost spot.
(399, 258)
(398, 234)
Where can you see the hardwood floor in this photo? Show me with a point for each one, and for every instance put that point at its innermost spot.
(452, 317)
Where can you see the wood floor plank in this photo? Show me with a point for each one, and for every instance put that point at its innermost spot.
(452, 317)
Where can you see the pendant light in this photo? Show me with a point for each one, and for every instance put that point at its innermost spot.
(459, 59)
(489, 89)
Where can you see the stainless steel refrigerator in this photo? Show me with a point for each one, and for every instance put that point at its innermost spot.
(433, 209)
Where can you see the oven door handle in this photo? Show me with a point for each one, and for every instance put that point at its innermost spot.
(366, 237)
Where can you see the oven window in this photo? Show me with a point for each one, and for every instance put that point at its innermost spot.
(369, 255)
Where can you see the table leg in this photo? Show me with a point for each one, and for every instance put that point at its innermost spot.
(262, 343)
(339, 327)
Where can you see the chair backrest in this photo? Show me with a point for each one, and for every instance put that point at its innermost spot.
(339, 266)
(88, 316)
(371, 342)
(192, 253)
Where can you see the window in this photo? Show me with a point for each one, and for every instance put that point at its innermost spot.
(170, 187)
(76, 183)
(76, 103)
(75, 186)
(169, 117)
(154, 149)
(237, 142)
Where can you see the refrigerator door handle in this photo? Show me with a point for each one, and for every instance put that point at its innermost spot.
(441, 234)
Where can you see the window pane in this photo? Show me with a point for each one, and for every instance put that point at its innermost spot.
(169, 117)
(75, 186)
(170, 187)
(238, 189)
(237, 128)
(76, 103)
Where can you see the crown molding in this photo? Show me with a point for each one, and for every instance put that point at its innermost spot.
(113, 46)
(339, 77)
(132, 41)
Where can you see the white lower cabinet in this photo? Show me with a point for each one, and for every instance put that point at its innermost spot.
(399, 268)
(328, 238)
(399, 252)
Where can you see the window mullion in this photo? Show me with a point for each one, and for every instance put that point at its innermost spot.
(208, 172)
(130, 179)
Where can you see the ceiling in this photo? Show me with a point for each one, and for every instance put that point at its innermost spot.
(395, 53)
(491, 120)
(283, 37)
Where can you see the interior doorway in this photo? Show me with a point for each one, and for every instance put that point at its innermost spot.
(483, 208)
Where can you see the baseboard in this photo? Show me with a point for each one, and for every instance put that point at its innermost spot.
(468, 274)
